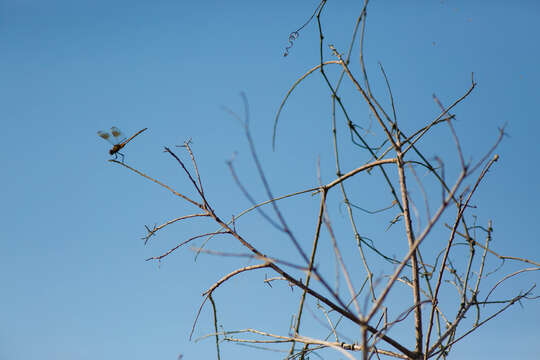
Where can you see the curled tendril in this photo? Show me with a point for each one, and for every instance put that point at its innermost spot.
(292, 36)
(295, 34)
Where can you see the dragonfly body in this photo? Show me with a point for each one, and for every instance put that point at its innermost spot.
(118, 143)
(116, 148)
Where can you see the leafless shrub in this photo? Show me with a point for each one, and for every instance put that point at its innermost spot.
(372, 299)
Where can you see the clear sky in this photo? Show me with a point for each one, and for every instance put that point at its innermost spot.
(74, 281)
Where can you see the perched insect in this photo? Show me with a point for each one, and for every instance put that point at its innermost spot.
(118, 143)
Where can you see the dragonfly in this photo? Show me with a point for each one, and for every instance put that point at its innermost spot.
(119, 142)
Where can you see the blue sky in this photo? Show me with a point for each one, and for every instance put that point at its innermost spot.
(75, 283)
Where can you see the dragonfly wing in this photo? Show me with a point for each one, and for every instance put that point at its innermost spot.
(116, 132)
(105, 136)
